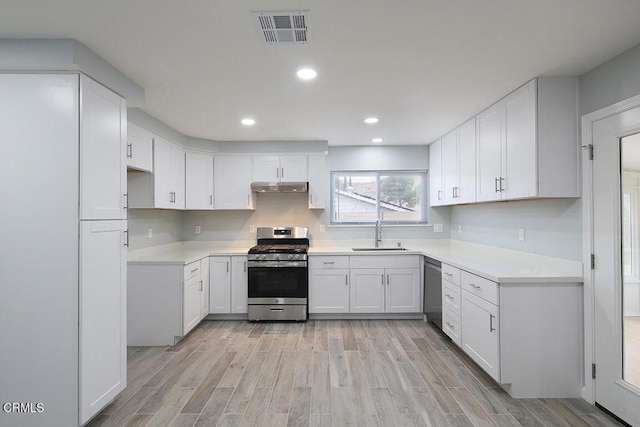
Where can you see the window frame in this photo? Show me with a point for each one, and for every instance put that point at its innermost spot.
(333, 221)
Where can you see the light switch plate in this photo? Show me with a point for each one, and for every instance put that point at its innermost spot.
(252, 228)
(321, 228)
(521, 234)
(150, 233)
(438, 228)
(198, 229)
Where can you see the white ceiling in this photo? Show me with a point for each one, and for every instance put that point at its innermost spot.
(421, 66)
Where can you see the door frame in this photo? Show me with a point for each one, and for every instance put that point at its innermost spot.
(588, 390)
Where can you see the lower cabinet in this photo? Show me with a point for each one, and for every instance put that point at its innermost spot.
(164, 302)
(480, 339)
(364, 284)
(228, 284)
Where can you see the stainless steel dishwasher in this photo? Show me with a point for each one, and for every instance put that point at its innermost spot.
(432, 304)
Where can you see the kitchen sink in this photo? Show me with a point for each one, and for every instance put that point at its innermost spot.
(378, 249)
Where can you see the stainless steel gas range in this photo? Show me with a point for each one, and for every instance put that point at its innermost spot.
(278, 274)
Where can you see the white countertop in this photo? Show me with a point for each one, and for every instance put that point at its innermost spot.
(496, 264)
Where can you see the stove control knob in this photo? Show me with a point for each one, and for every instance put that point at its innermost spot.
(290, 256)
(263, 256)
(297, 256)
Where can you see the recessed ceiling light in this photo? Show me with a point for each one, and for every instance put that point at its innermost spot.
(376, 140)
(248, 122)
(306, 73)
(371, 120)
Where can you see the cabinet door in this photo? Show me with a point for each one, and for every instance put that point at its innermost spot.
(204, 286)
(450, 167)
(367, 290)
(191, 304)
(266, 169)
(178, 177)
(293, 168)
(435, 173)
(520, 167)
(239, 284)
(480, 340)
(199, 181)
(403, 290)
(317, 171)
(219, 285)
(103, 174)
(139, 148)
(232, 182)
(162, 174)
(329, 291)
(103, 308)
(489, 153)
(466, 192)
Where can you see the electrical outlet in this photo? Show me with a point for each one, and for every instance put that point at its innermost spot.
(438, 228)
(198, 229)
(459, 228)
(521, 234)
(252, 228)
(321, 228)
(150, 233)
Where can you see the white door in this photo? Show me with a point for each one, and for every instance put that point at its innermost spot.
(615, 387)
(480, 333)
(199, 181)
(139, 148)
(367, 290)
(520, 162)
(191, 304)
(466, 191)
(450, 167)
(103, 308)
(403, 290)
(232, 182)
(162, 174)
(489, 153)
(239, 284)
(293, 168)
(329, 291)
(219, 285)
(103, 173)
(266, 169)
(435, 173)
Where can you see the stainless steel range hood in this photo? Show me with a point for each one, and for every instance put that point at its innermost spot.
(279, 187)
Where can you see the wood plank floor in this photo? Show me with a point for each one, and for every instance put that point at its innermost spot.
(323, 373)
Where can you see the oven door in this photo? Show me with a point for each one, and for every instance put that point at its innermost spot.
(277, 285)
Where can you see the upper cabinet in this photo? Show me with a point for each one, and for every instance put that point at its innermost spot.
(284, 168)
(103, 129)
(165, 188)
(232, 182)
(317, 180)
(525, 146)
(199, 181)
(435, 174)
(139, 148)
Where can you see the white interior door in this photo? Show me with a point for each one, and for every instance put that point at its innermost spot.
(613, 388)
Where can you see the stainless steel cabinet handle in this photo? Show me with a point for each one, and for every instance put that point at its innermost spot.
(448, 296)
(129, 150)
(449, 325)
(245, 266)
(439, 194)
(126, 238)
(200, 285)
(282, 173)
(382, 277)
(193, 270)
(495, 184)
(474, 286)
(211, 199)
(346, 280)
(170, 196)
(248, 201)
(126, 200)
(448, 274)
(501, 182)
(388, 281)
(277, 172)
(227, 266)
(491, 328)
(328, 262)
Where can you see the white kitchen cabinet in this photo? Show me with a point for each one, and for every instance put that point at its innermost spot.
(458, 164)
(435, 174)
(480, 339)
(385, 284)
(527, 143)
(232, 182)
(283, 168)
(165, 187)
(139, 148)
(317, 174)
(103, 130)
(63, 273)
(329, 284)
(239, 284)
(191, 303)
(204, 296)
(103, 327)
(199, 181)
(228, 284)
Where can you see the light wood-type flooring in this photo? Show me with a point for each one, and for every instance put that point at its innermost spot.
(323, 373)
(632, 349)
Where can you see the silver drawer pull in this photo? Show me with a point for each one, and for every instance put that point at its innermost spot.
(448, 274)
(449, 325)
(448, 296)
(329, 262)
(193, 270)
(276, 308)
(491, 328)
(474, 286)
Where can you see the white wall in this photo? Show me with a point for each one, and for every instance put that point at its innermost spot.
(166, 227)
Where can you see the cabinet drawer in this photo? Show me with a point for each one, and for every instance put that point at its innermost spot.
(484, 288)
(385, 261)
(328, 262)
(451, 274)
(451, 297)
(451, 326)
(191, 270)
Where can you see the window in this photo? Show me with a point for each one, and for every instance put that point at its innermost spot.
(393, 197)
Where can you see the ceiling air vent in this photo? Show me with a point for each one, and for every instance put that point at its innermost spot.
(283, 27)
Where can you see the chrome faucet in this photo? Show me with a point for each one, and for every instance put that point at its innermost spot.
(378, 237)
